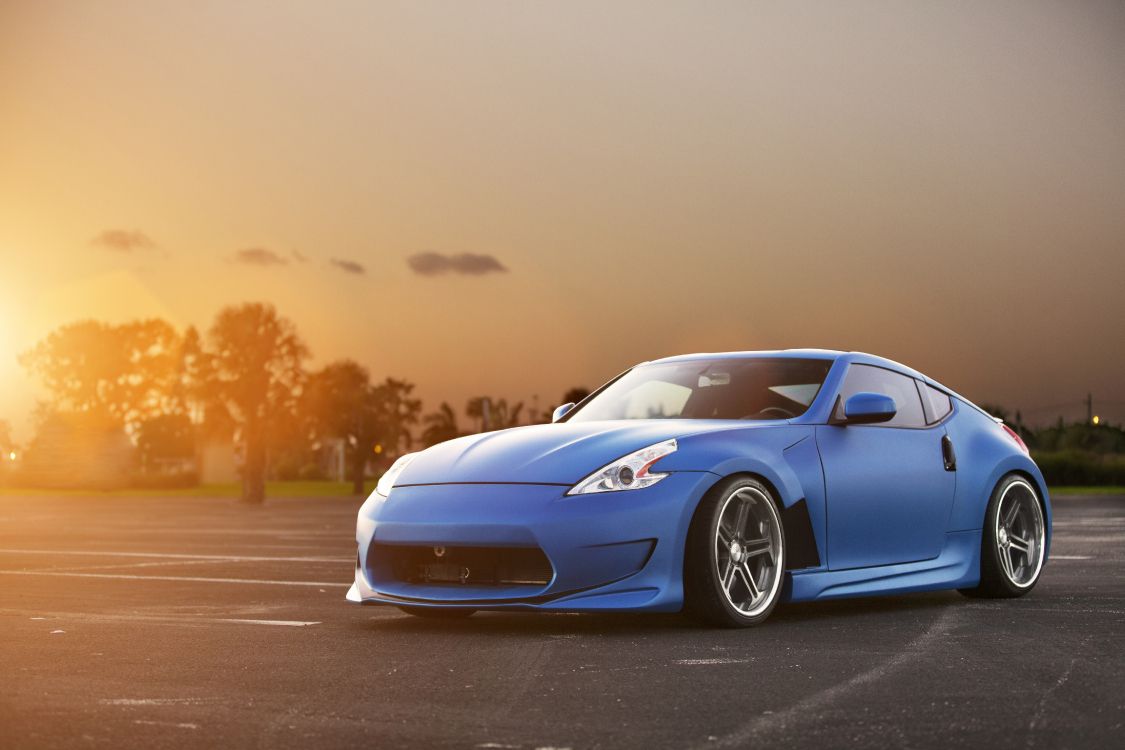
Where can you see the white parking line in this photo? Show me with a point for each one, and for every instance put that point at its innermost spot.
(1070, 557)
(283, 623)
(169, 555)
(174, 724)
(191, 579)
(153, 701)
(173, 619)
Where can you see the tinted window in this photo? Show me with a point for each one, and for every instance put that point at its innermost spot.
(937, 403)
(869, 379)
(752, 388)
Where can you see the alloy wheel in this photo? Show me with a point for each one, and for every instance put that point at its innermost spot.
(748, 541)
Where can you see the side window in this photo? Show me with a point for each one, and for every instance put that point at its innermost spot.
(936, 403)
(871, 379)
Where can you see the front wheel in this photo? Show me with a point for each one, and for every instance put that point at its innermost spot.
(735, 556)
(1013, 543)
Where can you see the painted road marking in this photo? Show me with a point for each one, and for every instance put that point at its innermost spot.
(191, 579)
(167, 555)
(152, 701)
(186, 619)
(283, 623)
(1070, 557)
(175, 724)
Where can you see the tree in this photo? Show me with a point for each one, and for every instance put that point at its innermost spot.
(493, 414)
(574, 395)
(254, 372)
(504, 416)
(479, 408)
(340, 403)
(7, 445)
(441, 425)
(127, 373)
(395, 412)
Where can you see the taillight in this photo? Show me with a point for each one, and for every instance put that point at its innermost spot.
(1015, 436)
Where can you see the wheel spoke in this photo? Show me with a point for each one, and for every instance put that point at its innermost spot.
(725, 537)
(728, 576)
(1010, 516)
(755, 547)
(740, 519)
(748, 579)
(1019, 544)
(1006, 562)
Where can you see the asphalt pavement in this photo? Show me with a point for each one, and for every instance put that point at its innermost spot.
(156, 622)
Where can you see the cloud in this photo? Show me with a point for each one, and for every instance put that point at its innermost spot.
(297, 256)
(123, 240)
(468, 264)
(260, 256)
(348, 266)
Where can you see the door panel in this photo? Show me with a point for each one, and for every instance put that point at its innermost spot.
(888, 494)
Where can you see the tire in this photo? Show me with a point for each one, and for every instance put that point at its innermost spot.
(439, 613)
(736, 537)
(1015, 528)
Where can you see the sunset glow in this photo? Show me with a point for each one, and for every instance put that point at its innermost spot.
(491, 200)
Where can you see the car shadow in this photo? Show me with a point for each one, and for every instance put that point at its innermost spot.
(531, 623)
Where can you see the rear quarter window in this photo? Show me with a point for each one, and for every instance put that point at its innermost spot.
(936, 403)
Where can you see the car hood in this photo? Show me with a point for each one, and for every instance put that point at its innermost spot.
(562, 453)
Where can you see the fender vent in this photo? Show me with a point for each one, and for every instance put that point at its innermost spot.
(800, 543)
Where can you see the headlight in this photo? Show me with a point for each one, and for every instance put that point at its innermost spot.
(388, 479)
(626, 473)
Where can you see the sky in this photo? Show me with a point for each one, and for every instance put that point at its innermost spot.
(516, 198)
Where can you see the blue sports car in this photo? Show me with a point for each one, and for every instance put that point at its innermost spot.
(716, 483)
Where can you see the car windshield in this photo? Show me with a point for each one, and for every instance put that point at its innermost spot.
(756, 388)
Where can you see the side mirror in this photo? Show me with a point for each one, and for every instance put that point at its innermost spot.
(561, 411)
(869, 408)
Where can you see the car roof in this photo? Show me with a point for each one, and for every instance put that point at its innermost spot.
(828, 354)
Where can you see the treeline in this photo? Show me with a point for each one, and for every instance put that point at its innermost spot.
(164, 393)
(1076, 453)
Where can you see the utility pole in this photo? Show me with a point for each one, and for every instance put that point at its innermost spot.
(1089, 408)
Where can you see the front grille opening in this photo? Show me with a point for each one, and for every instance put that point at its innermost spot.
(461, 566)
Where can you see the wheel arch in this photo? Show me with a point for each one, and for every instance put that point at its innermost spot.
(796, 526)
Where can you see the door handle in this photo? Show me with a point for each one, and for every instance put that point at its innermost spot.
(947, 454)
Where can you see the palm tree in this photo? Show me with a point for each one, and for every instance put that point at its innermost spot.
(493, 414)
(504, 417)
(441, 425)
(480, 409)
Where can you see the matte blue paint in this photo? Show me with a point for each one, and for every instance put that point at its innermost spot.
(869, 408)
(889, 495)
(886, 516)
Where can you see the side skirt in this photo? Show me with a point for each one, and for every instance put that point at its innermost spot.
(958, 566)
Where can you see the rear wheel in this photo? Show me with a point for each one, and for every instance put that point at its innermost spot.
(735, 556)
(1013, 542)
(439, 613)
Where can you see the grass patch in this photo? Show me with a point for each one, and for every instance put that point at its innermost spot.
(232, 490)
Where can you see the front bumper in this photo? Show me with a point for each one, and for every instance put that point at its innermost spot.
(608, 551)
